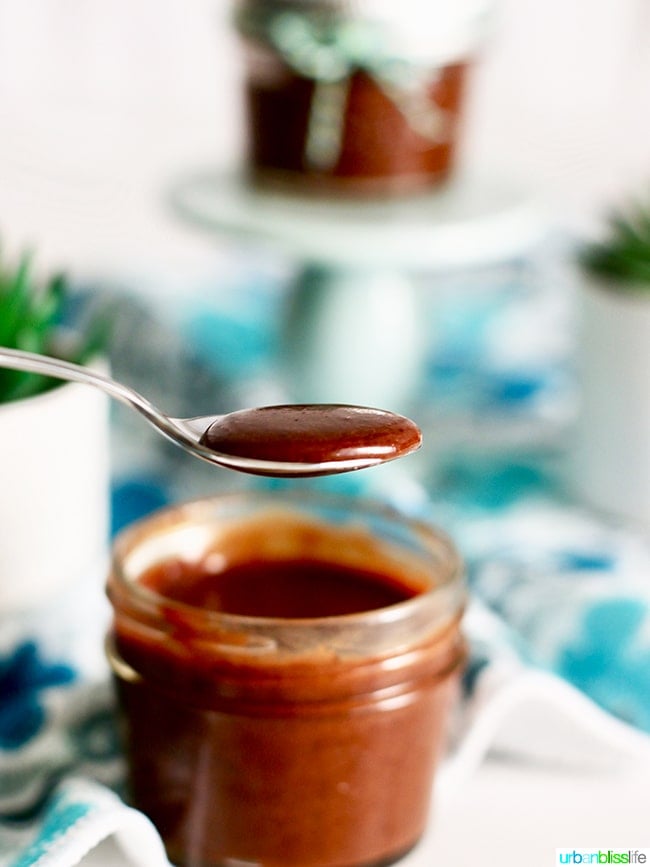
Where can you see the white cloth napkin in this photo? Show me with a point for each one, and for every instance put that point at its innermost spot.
(78, 816)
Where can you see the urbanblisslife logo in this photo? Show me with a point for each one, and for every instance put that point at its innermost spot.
(602, 856)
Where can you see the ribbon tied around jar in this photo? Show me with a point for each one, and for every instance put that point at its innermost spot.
(329, 51)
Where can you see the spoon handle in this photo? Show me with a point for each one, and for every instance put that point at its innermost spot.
(32, 362)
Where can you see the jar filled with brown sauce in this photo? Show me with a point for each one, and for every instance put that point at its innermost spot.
(285, 667)
(356, 97)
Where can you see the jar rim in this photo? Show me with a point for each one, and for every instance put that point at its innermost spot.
(449, 583)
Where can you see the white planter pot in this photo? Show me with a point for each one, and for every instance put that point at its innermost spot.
(54, 494)
(610, 457)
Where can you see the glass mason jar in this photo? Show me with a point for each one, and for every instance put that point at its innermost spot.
(297, 740)
(355, 97)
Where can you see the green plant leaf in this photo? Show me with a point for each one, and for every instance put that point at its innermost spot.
(624, 254)
(15, 299)
(30, 319)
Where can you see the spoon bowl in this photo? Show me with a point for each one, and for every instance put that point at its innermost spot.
(292, 440)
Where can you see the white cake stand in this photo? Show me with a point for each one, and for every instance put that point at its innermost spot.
(354, 330)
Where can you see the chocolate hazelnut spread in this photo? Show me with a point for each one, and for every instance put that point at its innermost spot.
(285, 689)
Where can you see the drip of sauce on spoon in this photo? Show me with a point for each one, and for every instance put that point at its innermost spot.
(318, 437)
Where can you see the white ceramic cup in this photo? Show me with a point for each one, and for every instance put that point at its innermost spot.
(54, 493)
(610, 455)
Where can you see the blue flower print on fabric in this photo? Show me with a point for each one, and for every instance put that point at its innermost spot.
(23, 675)
(610, 659)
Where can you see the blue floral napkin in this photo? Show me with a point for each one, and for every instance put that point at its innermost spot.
(61, 767)
(577, 593)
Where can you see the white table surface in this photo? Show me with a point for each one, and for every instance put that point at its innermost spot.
(508, 809)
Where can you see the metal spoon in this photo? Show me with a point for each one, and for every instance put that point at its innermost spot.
(291, 440)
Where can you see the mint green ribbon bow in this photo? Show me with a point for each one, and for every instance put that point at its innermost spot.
(328, 51)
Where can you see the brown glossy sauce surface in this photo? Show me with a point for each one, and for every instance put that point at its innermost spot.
(313, 433)
(284, 588)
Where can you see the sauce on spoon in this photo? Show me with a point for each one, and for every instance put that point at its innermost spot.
(313, 434)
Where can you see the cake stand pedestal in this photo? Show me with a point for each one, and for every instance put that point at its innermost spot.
(354, 330)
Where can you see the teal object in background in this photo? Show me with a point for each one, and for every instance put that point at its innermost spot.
(353, 336)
